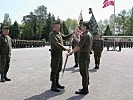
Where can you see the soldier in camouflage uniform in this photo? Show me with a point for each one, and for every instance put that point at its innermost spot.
(84, 47)
(5, 53)
(56, 40)
(97, 48)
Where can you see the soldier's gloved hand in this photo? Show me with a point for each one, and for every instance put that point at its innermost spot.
(68, 50)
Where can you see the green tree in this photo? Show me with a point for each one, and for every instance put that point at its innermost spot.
(15, 31)
(123, 23)
(64, 29)
(93, 26)
(71, 24)
(107, 31)
(122, 14)
(27, 31)
(118, 22)
(102, 26)
(7, 20)
(132, 21)
(129, 22)
(48, 28)
(41, 13)
(31, 19)
(111, 23)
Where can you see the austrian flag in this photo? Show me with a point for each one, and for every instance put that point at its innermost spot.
(108, 3)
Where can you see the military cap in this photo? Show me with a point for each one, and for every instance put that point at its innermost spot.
(56, 22)
(5, 27)
(87, 24)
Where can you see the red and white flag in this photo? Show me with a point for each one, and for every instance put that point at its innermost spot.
(108, 3)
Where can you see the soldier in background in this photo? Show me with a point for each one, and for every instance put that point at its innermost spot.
(131, 44)
(108, 45)
(5, 53)
(120, 45)
(97, 48)
(13, 43)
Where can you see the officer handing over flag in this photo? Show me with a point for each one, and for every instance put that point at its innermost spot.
(57, 47)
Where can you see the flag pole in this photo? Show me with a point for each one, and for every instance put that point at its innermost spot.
(114, 24)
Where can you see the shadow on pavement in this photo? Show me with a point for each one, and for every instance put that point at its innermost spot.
(77, 97)
(92, 70)
(69, 69)
(46, 95)
(72, 69)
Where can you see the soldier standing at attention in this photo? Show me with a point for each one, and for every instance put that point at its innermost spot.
(84, 47)
(108, 44)
(97, 48)
(120, 45)
(5, 53)
(56, 40)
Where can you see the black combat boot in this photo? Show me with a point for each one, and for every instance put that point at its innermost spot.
(76, 65)
(6, 79)
(58, 85)
(54, 88)
(97, 66)
(82, 91)
(2, 78)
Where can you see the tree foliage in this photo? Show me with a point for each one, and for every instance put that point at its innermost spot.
(15, 31)
(37, 24)
(123, 23)
(107, 31)
(7, 20)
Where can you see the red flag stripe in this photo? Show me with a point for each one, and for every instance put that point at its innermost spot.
(105, 1)
(108, 3)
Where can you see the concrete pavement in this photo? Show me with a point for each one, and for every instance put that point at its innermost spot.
(30, 71)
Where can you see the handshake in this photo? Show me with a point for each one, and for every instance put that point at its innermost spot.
(69, 52)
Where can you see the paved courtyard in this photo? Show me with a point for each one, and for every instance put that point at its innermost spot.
(30, 71)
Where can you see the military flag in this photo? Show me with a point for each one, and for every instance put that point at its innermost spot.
(80, 19)
(108, 3)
